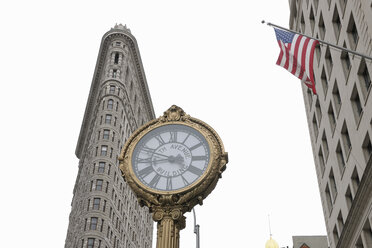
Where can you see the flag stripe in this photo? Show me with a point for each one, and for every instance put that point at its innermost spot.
(297, 55)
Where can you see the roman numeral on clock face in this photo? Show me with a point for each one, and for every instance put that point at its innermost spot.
(173, 137)
(169, 183)
(194, 158)
(185, 181)
(154, 181)
(143, 160)
(145, 172)
(196, 146)
(195, 170)
(160, 140)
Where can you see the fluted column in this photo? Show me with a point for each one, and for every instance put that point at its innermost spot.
(170, 222)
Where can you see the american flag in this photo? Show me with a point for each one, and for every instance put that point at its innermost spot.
(296, 55)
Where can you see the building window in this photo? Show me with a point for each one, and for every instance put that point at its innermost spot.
(310, 97)
(333, 186)
(340, 158)
(302, 21)
(114, 73)
(355, 181)
(352, 32)
(99, 183)
(101, 167)
(104, 206)
(336, 97)
(323, 78)
(108, 119)
(359, 243)
(346, 138)
(118, 43)
(315, 126)
(110, 104)
(367, 147)
(112, 89)
(325, 145)
(106, 134)
(331, 116)
(329, 61)
(349, 198)
(321, 161)
(113, 137)
(340, 222)
(318, 111)
(357, 106)
(96, 203)
(364, 77)
(346, 64)
(116, 58)
(103, 150)
(321, 26)
(88, 204)
(93, 223)
(336, 23)
(90, 243)
(335, 235)
(329, 199)
(312, 20)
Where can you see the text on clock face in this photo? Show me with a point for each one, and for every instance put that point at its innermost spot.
(171, 158)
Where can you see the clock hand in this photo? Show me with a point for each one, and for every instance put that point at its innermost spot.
(159, 154)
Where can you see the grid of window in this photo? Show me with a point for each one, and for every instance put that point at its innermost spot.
(344, 146)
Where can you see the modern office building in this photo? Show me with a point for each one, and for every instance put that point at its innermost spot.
(340, 115)
(105, 212)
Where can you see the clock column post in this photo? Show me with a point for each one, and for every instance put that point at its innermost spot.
(170, 223)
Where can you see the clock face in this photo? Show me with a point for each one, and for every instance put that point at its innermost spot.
(170, 157)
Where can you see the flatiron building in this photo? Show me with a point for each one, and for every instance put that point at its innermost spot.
(104, 211)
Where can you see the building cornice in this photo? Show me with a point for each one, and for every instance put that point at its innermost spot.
(89, 110)
(361, 203)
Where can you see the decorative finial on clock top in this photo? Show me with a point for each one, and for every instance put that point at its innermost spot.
(174, 113)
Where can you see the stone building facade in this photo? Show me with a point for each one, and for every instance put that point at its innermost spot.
(340, 115)
(105, 212)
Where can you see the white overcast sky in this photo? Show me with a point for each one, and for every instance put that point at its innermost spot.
(212, 58)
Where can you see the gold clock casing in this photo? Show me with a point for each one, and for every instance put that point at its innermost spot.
(168, 207)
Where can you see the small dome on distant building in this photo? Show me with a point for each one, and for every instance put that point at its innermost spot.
(271, 244)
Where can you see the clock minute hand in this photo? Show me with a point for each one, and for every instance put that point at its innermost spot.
(155, 153)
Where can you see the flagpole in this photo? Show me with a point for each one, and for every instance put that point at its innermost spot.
(320, 41)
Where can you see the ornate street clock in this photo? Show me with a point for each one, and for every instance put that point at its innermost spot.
(172, 163)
